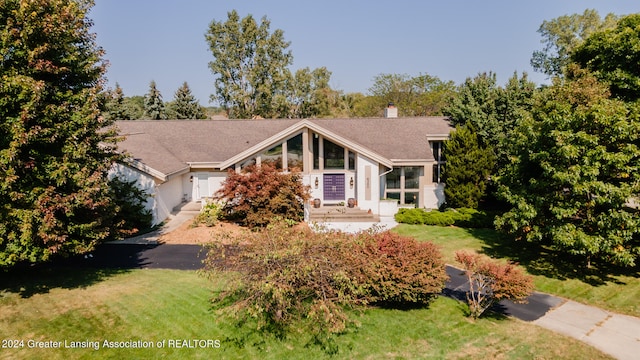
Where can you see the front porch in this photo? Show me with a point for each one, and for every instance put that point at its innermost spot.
(338, 213)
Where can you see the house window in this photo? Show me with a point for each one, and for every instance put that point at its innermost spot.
(316, 152)
(273, 156)
(403, 184)
(294, 153)
(352, 161)
(438, 147)
(333, 155)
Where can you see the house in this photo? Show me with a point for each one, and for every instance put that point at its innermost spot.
(366, 159)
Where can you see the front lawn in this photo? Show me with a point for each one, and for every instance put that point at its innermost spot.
(83, 305)
(611, 288)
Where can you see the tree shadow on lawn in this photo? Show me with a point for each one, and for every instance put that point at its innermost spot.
(544, 261)
(41, 279)
(70, 273)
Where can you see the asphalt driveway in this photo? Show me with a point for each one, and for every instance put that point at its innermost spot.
(190, 257)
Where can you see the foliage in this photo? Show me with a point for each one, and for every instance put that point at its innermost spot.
(493, 112)
(463, 217)
(153, 104)
(421, 95)
(310, 93)
(131, 215)
(210, 214)
(291, 276)
(574, 168)
(491, 282)
(613, 57)
(562, 35)
(54, 151)
(134, 107)
(260, 193)
(185, 105)
(468, 169)
(250, 64)
(114, 106)
(398, 270)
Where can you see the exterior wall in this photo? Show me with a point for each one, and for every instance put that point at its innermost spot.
(195, 190)
(169, 195)
(144, 182)
(367, 183)
(433, 195)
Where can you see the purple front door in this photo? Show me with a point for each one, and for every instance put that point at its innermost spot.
(333, 187)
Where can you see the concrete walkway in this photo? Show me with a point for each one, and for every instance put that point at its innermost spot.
(614, 334)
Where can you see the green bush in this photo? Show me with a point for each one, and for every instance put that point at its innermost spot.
(209, 215)
(463, 217)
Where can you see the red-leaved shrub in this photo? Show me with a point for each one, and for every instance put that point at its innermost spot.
(283, 275)
(259, 194)
(491, 281)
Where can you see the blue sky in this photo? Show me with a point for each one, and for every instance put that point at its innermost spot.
(164, 41)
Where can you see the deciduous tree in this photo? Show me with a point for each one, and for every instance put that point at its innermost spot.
(574, 168)
(54, 153)
(491, 281)
(250, 65)
(562, 35)
(613, 56)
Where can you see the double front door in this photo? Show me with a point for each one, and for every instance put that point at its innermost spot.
(334, 186)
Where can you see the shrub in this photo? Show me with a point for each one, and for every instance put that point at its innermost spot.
(463, 217)
(287, 276)
(131, 216)
(261, 193)
(400, 270)
(491, 281)
(209, 215)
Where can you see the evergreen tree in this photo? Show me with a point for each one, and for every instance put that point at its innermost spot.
(153, 104)
(114, 107)
(469, 166)
(185, 105)
(54, 151)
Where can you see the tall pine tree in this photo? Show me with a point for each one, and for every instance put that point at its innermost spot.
(185, 105)
(153, 104)
(54, 153)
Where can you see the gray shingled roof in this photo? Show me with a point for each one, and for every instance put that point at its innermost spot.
(169, 145)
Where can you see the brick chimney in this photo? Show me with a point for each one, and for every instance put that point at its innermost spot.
(391, 111)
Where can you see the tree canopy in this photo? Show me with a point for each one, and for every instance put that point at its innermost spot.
(153, 104)
(250, 64)
(574, 168)
(54, 152)
(185, 105)
(562, 35)
(613, 55)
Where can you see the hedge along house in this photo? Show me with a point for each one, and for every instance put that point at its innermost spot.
(366, 159)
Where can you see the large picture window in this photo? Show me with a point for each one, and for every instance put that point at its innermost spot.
(403, 184)
(333, 155)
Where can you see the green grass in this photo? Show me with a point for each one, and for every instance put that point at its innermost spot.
(157, 305)
(611, 288)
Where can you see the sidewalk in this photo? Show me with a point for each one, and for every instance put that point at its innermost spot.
(614, 334)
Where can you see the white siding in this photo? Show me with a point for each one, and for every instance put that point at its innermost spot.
(433, 196)
(364, 185)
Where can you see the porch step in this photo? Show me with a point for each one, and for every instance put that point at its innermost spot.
(341, 214)
(192, 206)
